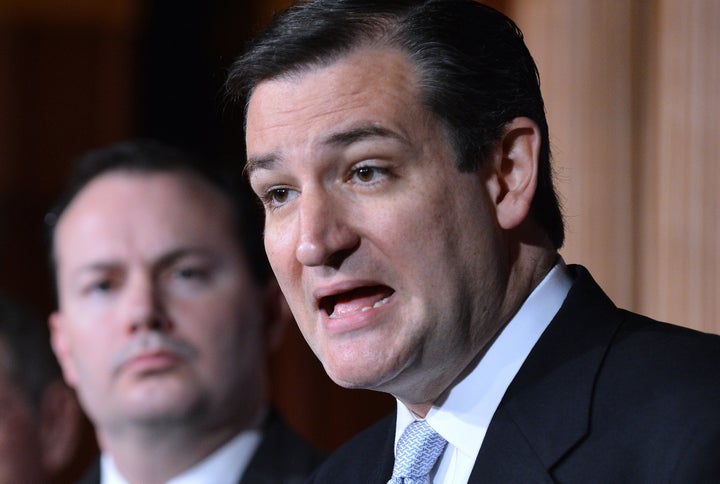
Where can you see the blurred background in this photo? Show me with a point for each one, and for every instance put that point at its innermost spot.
(631, 90)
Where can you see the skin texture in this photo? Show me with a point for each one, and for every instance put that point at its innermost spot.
(160, 327)
(398, 268)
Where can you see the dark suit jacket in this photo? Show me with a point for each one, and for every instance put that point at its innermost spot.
(605, 396)
(282, 457)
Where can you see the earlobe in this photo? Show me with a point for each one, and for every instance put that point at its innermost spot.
(513, 176)
(60, 347)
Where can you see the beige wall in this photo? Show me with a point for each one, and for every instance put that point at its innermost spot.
(632, 90)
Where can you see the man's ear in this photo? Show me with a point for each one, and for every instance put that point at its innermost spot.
(277, 314)
(61, 347)
(513, 167)
(60, 426)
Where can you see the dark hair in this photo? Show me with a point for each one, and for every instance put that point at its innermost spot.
(149, 156)
(475, 72)
(25, 353)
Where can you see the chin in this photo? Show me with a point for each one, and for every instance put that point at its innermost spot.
(350, 376)
(159, 405)
(168, 414)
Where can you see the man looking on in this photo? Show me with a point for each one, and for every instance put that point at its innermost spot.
(166, 315)
(401, 151)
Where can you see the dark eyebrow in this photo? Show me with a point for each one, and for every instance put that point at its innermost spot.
(94, 267)
(361, 133)
(340, 139)
(173, 256)
(259, 162)
(164, 260)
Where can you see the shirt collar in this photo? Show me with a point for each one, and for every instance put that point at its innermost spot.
(226, 464)
(462, 418)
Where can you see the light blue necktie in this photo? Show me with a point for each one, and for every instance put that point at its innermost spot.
(417, 451)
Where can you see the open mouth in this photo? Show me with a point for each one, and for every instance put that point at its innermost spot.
(355, 301)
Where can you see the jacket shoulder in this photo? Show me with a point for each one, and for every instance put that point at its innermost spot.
(283, 455)
(367, 457)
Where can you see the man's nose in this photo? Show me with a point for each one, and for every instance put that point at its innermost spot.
(145, 309)
(326, 236)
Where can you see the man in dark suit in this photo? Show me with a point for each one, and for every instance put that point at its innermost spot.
(166, 314)
(400, 148)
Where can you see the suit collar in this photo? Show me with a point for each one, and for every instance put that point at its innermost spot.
(546, 409)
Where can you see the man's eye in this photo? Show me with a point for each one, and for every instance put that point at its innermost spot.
(276, 197)
(101, 286)
(280, 195)
(187, 273)
(191, 273)
(366, 174)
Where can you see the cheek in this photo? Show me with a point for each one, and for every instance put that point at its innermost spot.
(233, 351)
(410, 235)
(230, 318)
(280, 248)
(65, 343)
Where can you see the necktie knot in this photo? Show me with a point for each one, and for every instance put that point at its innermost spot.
(417, 451)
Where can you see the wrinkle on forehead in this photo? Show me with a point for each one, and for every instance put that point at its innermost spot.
(310, 102)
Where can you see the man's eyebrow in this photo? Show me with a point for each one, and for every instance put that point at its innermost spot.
(361, 133)
(93, 267)
(163, 260)
(339, 139)
(259, 162)
(175, 255)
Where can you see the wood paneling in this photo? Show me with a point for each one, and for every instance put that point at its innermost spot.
(66, 89)
(682, 161)
(581, 48)
(631, 92)
(66, 85)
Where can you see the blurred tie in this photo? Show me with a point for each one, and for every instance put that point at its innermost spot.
(417, 451)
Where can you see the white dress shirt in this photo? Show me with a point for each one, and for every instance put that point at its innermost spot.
(464, 416)
(223, 466)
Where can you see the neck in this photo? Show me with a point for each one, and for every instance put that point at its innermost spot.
(531, 267)
(528, 266)
(155, 455)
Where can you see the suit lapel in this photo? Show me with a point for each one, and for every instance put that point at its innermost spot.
(367, 459)
(546, 410)
(282, 455)
(380, 458)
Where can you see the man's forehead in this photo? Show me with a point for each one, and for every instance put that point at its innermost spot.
(119, 211)
(359, 70)
(154, 189)
(364, 88)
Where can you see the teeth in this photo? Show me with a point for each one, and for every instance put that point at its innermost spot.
(381, 302)
(367, 308)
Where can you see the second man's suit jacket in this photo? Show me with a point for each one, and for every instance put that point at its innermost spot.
(605, 396)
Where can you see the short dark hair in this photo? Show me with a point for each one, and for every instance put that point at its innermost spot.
(476, 73)
(26, 356)
(150, 156)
